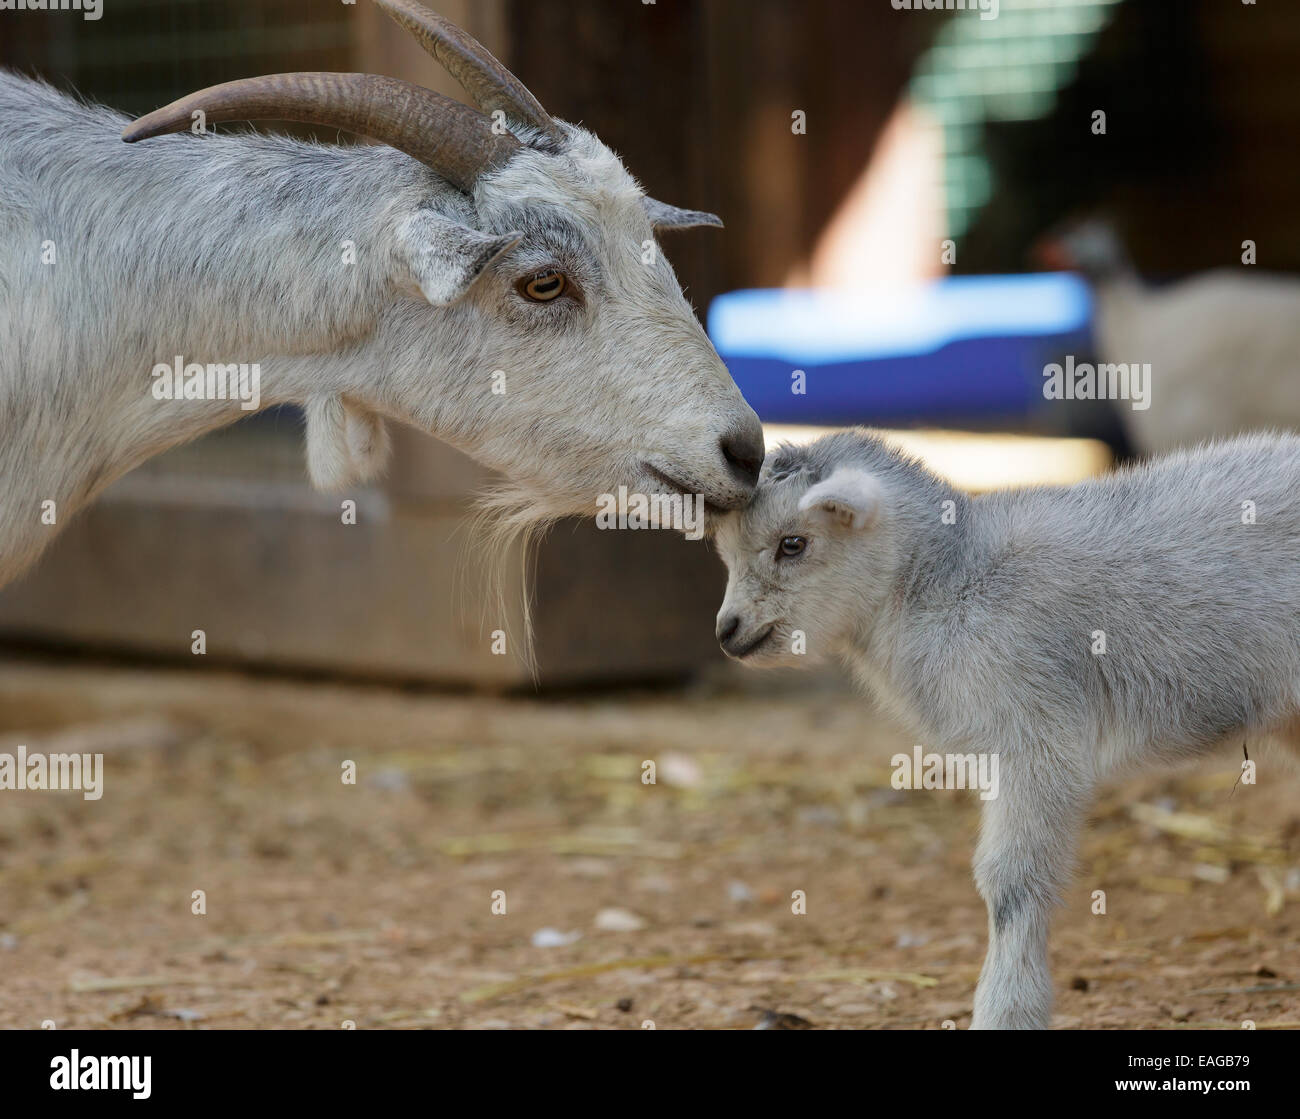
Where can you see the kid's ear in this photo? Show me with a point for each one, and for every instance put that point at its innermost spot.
(850, 498)
(446, 257)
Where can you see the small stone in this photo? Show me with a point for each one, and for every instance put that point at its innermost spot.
(739, 893)
(778, 1020)
(618, 920)
(184, 1014)
(553, 938)
(680, 771)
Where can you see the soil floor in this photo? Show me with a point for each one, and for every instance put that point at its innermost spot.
(500, 863)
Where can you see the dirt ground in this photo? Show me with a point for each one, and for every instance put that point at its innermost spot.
(626, 904)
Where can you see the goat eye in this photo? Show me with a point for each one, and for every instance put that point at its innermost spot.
(544, 287)
(792, 545)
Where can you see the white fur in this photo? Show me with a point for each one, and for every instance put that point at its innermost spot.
(231, 249)
(976, 621)
(1222, 345)
(849, 497)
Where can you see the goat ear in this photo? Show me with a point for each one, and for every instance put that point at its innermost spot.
(446, 257)
(850, 498)
(346, 443)
(663, 216)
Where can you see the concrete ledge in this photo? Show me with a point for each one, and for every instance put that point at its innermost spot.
(276, 580)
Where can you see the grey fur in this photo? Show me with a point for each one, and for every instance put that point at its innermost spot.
(229, 248)
(980, 634)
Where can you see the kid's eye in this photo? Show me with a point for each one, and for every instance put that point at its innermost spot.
(792, 546)
(544, 287)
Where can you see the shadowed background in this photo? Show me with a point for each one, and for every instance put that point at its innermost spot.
(669, 902)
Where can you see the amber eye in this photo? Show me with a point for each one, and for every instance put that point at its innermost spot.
(792, 546)
(544, 287)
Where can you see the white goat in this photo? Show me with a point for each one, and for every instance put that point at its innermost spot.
(1222, 346)
(1072, 633)
(499, 289)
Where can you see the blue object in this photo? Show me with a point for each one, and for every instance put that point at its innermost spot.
(961, 348)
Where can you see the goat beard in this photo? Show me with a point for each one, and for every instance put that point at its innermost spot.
(508, 526)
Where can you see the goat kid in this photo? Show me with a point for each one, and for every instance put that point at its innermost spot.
(499, 289)
(1075, 633)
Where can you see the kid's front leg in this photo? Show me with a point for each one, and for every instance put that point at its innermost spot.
(1026, 849)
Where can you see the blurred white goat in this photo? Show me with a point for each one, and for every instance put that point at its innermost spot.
(1224, 346)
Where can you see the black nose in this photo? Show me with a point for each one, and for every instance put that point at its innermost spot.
(727, 628)
(744, 450)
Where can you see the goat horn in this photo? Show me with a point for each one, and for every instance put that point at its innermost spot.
(490, 85)
(454, 140)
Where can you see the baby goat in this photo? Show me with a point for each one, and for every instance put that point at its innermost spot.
(1075, 632)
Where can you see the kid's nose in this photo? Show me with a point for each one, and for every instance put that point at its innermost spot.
(727, 628)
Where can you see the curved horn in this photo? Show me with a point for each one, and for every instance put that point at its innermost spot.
(664, 216)
(451, 138)
(484, 78)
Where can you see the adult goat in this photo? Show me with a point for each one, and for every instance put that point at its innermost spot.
(489, 277)
(1221, 344)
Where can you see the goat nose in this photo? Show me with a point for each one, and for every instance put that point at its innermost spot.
(727, 628)
(744, 450)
